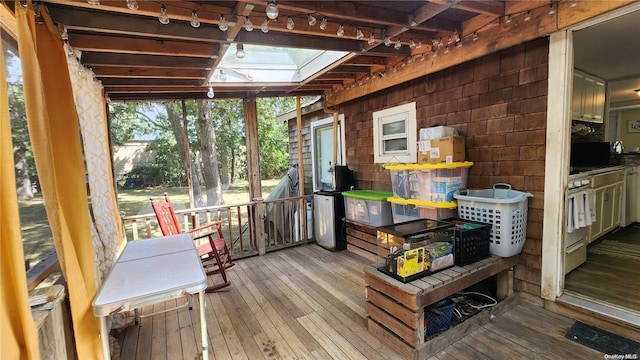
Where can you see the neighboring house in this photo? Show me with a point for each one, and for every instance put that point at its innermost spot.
(133, 153)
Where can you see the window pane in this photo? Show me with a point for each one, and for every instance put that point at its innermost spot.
(324, 156)
(395, 145)
(393, 128)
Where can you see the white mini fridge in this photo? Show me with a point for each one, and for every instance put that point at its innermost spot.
(328, 220)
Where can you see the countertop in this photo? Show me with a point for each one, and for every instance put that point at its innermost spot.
(582, 171)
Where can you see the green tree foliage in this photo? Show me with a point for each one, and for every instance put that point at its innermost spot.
(274, 136)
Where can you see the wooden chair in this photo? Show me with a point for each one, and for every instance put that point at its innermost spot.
(215, 255)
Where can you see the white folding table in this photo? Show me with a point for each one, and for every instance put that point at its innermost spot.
(150, 271)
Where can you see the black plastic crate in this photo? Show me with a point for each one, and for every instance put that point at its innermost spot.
(471, 241)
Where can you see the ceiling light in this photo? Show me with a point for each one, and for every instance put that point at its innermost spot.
(312, 20)
(411, 21)
(323, 23)
(359, 34)
(247, 24)
(224, 24)
(132, 4)
(265, 25)
(163, 17)
(210, 93)
(195, 22)
(272, 10)
(290, 24)
(240, 51)
(372, 39)
(398, 44)
(340, 31)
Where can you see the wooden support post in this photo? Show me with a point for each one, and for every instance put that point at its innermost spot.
(302, 212)
(253, 164)
(335, 141)
(504, 286)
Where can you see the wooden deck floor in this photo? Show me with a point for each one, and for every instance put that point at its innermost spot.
(309, 303)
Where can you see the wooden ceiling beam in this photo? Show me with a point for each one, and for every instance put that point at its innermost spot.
(95, 59)
(146, 82)
(487, 7)
(97, 21)
(128, 45)
(131, 72)
(312, 42)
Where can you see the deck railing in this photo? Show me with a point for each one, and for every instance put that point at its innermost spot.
(282, 223)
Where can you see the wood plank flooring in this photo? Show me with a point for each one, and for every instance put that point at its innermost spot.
(309, 303)
(609, 278)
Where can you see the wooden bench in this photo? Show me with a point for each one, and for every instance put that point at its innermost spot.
(396, 310)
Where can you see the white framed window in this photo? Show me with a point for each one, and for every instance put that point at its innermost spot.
(322, 151)
(394, 134)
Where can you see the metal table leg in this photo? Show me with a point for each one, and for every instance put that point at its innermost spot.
(104, 334)
(203, 326)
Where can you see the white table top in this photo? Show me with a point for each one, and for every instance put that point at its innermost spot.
(150, 271)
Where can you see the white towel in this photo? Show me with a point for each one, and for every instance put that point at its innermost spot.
(591, 194)
(587, 208)
(570, 200)
(580, 223)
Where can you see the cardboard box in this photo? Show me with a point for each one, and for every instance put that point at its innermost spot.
(446, 149)
(436, 132)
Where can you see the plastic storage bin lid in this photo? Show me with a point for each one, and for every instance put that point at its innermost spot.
(368, 194)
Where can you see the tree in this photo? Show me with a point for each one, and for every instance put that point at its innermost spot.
(228, 119)
(209, 156)
(274, 136)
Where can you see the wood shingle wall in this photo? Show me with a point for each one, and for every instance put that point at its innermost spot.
(498, 102)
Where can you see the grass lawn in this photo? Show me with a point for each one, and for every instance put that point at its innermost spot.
(36, 234)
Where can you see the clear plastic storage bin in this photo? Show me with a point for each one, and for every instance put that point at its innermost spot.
(505, 209)
(369, 207)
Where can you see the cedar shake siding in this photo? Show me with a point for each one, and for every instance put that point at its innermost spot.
(498, 103)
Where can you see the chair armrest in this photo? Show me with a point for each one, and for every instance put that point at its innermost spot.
(207, 230)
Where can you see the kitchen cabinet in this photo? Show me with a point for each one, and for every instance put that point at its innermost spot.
(588, 100)
(608, 192)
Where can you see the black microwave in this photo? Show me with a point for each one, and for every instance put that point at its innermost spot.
(591, 153)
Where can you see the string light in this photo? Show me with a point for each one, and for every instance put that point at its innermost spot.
(248, 25)
(265, 25)
(398, 44)
(312, 20)
(132, 4)
(223, 75)
(210, 93)
(224, 24)
(372, 39)
(527, 17)
(552, 9)
(419, 45)
(574, 3)
(340, 31)
(272, 10)
(411, 21)
(507, 19)
(323, 23)
(93, 2)
(163, 17)
(290, 23)
(240, 51)
(412, 44)
(195, 22)
(387, 40)
(475, 36)
(359, 34)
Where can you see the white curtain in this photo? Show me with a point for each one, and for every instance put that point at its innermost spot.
(106, 229)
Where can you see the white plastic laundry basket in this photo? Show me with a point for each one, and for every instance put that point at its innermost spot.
(505, 209)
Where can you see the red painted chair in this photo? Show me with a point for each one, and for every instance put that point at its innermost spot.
(215, 255)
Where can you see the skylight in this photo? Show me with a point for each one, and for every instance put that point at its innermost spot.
(269, 64)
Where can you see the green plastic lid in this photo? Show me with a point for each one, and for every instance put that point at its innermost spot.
(368, 194)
